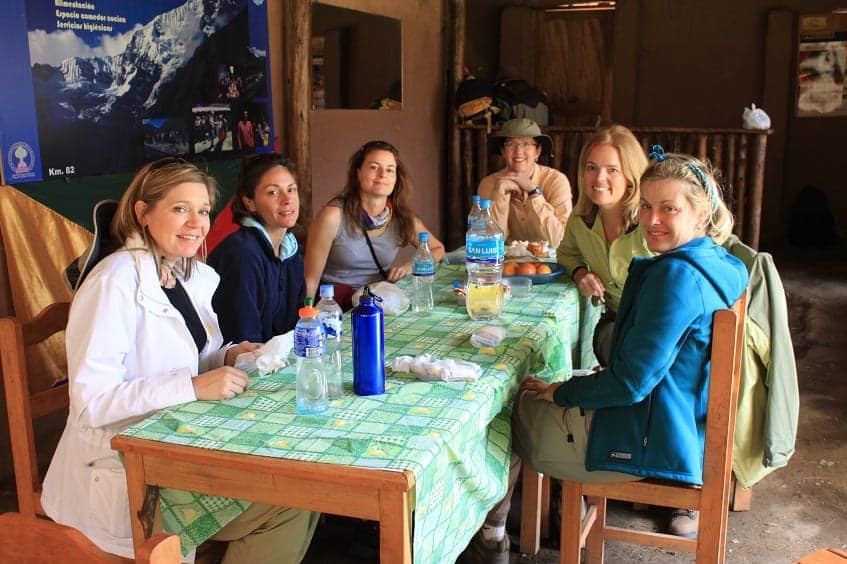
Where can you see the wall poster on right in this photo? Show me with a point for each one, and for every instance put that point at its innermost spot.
(822, 65)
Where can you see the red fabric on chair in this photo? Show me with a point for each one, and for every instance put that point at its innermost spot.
(221, 228)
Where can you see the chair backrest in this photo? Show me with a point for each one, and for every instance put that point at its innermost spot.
(101, 245)
(22, 406)
(27, 540)
(724, 379)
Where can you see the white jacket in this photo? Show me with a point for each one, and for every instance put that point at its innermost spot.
(130, 353)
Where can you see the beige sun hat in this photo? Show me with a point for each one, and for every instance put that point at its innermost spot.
(519, 127)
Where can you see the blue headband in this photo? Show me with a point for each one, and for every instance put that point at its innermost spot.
(657, 153)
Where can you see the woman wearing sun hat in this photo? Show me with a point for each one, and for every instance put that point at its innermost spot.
(529, 201)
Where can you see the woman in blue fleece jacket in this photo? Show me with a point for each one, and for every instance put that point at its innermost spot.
(644, 415)
(261, 268)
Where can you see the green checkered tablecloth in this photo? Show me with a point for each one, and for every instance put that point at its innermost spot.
(454, 437)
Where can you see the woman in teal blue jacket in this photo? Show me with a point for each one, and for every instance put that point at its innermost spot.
(644, 415)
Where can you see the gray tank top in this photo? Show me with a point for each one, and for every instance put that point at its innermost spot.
(350, 261)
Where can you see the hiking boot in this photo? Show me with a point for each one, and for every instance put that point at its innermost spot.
(483, 551)
(684, 523)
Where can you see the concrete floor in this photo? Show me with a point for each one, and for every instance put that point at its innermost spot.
(796, 510)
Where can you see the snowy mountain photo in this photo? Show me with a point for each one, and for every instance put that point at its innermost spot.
(94, 93)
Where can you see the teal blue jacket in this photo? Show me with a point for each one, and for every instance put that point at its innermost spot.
(650, 403)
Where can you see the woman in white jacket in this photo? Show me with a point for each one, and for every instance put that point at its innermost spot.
(142, 336)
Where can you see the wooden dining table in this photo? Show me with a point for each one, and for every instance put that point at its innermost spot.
(427, 459)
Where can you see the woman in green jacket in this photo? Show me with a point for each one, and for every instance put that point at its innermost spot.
(602, 234)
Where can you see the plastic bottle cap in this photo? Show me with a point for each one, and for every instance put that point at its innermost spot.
(327, 291)
(308, 301)
(423, 237)
(307, 311)
(475, 198)
(485, 203)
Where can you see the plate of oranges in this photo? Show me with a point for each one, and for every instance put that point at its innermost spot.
(538, 272)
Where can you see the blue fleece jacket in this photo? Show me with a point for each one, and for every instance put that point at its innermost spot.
(259, 293)
(651, 401)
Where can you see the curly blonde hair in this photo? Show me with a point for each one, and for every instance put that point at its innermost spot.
(703, 191)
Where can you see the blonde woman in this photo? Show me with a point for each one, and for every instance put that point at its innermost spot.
(602, 235)
(142, 336)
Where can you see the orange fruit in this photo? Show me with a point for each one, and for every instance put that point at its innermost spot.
(543, 268)
(526, 269)
(510, 269)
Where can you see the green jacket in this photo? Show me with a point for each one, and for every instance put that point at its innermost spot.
(585, 245)
(768, 400)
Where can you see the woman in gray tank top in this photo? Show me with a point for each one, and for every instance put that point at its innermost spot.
(373, 207)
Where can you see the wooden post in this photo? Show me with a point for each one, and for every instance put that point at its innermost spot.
(701, 146)
(741, 187)
(455, 217)
(757, 182)
(298, 42)
(558, 150)
(467, 186)
(481, 157)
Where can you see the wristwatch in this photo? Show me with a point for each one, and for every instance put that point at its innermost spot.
(534, 192)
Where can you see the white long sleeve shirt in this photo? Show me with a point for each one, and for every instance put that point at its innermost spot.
(130, 353)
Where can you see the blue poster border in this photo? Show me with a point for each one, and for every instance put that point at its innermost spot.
(18, 126)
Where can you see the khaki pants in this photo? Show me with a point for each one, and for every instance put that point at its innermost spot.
(552, 440)
(268, 534)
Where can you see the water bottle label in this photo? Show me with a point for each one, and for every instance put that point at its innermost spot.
(308, 342)
(423, 268)
(487, 250)
(333, 325)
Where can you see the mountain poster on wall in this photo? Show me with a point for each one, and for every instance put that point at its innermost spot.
(118, 82)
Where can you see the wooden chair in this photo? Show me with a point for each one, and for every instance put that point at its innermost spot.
(27, 540)
(712, 499)
(22, 406)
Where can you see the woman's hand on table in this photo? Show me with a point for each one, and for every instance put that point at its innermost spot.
(395, 273)
(542, 389)
(242, 347)
(225, 382)
(589, 284)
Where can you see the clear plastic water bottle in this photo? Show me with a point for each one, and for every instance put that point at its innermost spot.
(368, 324)
(476, 210)
(485, 248)
(310, 390)
(332, 318)
(423, 270)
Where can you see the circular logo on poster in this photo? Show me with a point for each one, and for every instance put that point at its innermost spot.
(21, 158)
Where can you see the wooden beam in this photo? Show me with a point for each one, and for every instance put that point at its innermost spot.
(456, 207)
(298, 97)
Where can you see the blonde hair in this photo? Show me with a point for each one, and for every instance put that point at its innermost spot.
(703, 191)
(150, 185)
(633, 163)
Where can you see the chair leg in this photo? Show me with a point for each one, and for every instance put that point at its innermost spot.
(742, 498)
(595, 541)
(711, 536)
(545, 506)
(531, 510)
(571, 527)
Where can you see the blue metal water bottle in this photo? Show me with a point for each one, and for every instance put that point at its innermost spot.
(368, 346)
